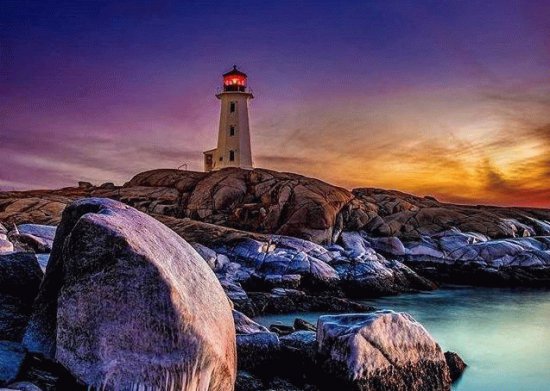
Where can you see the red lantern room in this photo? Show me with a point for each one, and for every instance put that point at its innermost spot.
(234, 80)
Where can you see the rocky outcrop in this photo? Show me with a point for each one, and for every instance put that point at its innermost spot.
(382, 350)
(266, 201)
(470, 258)
(20, 277)
(274, 267)
(120, 305)
(392, 213)
(232, 210)
(281, 301)
(253, 200)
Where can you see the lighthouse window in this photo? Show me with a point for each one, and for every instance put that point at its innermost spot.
(232, 107)
(231, 155)
(231, 130)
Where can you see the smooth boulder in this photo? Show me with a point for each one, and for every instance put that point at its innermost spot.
(383, 350)
(128, 304)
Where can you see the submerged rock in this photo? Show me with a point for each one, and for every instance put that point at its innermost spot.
(381, 351)
(126, 303)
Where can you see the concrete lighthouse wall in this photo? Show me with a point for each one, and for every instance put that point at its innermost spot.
(234, 132)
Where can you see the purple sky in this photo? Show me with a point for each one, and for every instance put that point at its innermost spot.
(446, 98)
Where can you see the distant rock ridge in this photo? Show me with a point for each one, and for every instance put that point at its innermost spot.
(265, 201)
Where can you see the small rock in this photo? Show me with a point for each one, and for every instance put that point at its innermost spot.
(248, 382)
(245, 325)
(301, 340)
(85, 185)
(281, 329)
(34, 237)
(301, 324)
(456, 365)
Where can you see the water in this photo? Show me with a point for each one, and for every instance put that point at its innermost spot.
(502, 334)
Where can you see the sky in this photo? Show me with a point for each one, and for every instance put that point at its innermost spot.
(442, 98)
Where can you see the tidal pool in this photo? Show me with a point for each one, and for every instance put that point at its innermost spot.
(502, 334)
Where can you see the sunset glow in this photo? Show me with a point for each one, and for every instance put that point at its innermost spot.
(449, 101)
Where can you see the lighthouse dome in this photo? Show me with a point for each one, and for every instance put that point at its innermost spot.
(234, 80)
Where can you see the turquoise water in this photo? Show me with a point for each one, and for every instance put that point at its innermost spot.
(502, 334)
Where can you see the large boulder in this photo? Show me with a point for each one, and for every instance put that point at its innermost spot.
(128, 304)
(20, 277)
(381, 351)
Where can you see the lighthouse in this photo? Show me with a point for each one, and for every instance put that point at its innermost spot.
(233, 148)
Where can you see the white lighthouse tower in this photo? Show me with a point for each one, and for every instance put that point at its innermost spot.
(234, 148)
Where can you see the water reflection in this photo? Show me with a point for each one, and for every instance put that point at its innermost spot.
(502, 334)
